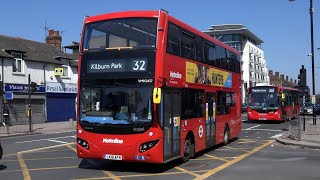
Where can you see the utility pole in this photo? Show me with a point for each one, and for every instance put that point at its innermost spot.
(29, 103)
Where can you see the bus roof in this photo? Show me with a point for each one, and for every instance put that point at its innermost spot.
(155, 14)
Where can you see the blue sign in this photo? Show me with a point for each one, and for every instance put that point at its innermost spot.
(22, 88)
(8, 96)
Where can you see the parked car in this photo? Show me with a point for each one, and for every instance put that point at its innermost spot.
(1, 151)
(244, 107)
(308, 109)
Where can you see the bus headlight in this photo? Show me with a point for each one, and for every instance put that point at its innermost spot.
(83, 143)
(147, 145)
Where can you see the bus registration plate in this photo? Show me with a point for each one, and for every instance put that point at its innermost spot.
(262, 118)
(113, 157)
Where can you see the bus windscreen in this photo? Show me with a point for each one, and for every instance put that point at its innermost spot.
(127, 33)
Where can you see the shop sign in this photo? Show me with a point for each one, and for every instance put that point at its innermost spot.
(22, 88)
(52, 87)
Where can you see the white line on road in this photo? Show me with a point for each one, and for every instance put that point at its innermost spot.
(252, 127)
(277, 135)
(45, 139)
(273, 130)
(57, 141)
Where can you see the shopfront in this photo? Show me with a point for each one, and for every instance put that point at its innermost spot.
(16, 96)
(61, 101)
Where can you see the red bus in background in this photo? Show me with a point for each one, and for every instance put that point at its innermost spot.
(153, 89)
(273, 103)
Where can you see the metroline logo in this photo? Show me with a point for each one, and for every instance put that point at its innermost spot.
(175, 75)
(112, 141)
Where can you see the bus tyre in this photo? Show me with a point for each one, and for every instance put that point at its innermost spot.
(226, 136)
(188, 150)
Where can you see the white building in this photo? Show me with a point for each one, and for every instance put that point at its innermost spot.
(54, 99)
(253, 62)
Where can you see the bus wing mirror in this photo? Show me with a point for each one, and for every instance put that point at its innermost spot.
(157, 95)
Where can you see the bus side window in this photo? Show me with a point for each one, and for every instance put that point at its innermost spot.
(188, 48)
(173, 40)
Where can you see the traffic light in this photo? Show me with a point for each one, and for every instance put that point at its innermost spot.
(33, 87)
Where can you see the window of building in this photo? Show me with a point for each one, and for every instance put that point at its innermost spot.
(18, 63)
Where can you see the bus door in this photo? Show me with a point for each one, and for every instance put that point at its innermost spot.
(171, 117)
(210, 119)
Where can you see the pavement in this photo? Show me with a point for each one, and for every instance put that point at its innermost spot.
(43, 128)
(297, 136)
(286, 139)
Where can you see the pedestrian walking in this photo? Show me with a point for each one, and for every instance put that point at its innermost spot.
(6, 120)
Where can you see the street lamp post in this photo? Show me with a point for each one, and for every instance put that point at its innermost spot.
(311, 10)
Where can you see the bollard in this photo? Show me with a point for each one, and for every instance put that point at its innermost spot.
(71, 122)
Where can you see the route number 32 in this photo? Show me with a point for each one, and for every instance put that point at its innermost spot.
(139, 65)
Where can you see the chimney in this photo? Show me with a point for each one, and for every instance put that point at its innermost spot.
(277, 74)
(54, 39)
(287, 78)
(282, 76)
(270, 72)
(291, 80)
(295, 81)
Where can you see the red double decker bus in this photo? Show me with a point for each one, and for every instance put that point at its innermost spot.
(153, 89)
(273, 103)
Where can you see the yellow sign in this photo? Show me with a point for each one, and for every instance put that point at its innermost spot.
(283, 95)
(200, 74)
(58, 71)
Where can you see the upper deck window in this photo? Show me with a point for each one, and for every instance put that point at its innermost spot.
(121, 33)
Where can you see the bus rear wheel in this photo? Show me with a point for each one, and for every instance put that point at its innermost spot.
(226, 136)
(188, 150)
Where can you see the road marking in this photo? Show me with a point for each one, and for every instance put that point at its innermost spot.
(53, 168)
(252, 127)
(44, 148)
(277, 135)
(112, 176)
(209, 158)
(272, 130)
(31, 135)
(247, 141)
(62, 142)
(40, 159)
(217, 169)
(186, 171)
(72, 148)
(214, 157)
(232, 148)
(23, 166)
(145, 175)
(44, 139)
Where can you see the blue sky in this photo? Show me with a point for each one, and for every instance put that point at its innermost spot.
(283, 26)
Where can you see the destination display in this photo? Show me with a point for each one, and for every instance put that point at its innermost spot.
(263, 90)
(117, 65)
